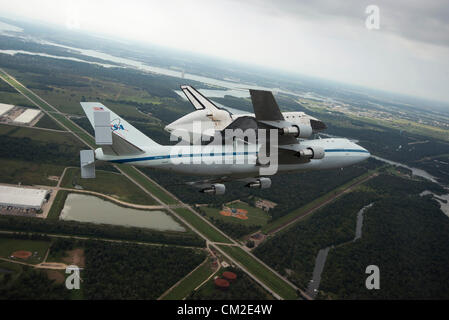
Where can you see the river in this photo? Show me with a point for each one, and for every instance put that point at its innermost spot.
(320, 261)
(84, 208)
(415, 171)
(237, 89)
(359, 225)
(443, 200)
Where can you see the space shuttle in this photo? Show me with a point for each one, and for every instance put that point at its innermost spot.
(208, 117)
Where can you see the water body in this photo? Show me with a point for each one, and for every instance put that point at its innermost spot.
(415, 171)
(359, 226)
(14, 52)
(235, 86)
(84, 208)
(6, 28)
(443, 200)
(320, 261)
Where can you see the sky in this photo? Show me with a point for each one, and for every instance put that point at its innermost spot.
(408, 53)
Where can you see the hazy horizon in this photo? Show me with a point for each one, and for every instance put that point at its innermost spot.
(318, 39)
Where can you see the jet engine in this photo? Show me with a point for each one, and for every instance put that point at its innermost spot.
(215, 189)
(311, 153)
(261, 183)
(303, 130)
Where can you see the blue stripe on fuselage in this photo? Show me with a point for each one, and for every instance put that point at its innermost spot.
(214, 155)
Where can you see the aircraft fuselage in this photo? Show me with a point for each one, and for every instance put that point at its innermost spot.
(237, 161)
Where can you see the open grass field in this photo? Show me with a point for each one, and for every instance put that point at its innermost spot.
(28, 173)
(255, 216)
(260, 271)
(34, 172)
(13, 98)
(67, 99)
(40, 135)
(147, 184)
(58, 205)
(60, 117)
(8, 246)
(188, 284)
(87, 138)
(112, 184)
(48, 123)
(202, 226)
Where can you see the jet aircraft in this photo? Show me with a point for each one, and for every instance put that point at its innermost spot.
(249, 161)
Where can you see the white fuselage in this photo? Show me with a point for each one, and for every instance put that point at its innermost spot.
(235, 161)
(200, 121)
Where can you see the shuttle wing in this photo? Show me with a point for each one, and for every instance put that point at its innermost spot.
(199, 101)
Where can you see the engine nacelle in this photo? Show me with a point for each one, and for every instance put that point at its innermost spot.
(262, 183)
(215, 189)
(298, 131)
(312, 153)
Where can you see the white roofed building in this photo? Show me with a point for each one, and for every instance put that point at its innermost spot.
(28, 116)
(24, 198)
(4, 108)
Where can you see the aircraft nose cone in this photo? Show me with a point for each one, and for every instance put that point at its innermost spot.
(366, 153)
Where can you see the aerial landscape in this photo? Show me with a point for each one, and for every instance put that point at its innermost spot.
(140, 233)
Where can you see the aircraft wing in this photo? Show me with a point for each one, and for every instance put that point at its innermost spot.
(198, 101)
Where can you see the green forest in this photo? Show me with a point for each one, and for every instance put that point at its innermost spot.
(112, 271)
(296, 248)
(401, 228)
(408, 241)
(127, 271)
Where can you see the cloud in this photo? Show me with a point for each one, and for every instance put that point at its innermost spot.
(417, 20)
(323, 38)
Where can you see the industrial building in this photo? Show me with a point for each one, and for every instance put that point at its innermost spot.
(22, 198)
(28, 116)
(4, 108)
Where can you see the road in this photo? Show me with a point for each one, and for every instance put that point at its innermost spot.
(322, 204)
(105, 240)
(88, 140)
(177, 283)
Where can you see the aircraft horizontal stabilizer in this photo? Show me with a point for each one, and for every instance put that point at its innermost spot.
(87, 158)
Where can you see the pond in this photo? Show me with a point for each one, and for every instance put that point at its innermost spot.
(84, 208)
